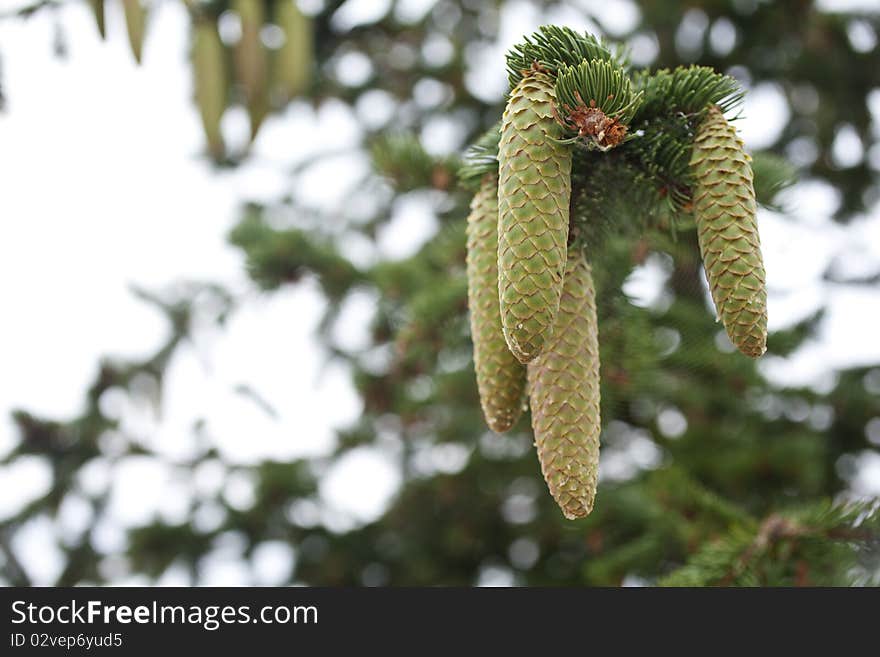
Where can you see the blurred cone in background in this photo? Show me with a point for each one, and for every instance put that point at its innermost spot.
(136, 23)
(251, 67)
(293, 62)
(209, 80)
(98, 9)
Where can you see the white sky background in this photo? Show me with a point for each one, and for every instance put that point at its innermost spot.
(103, 186)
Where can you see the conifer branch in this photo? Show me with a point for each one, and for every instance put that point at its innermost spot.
(773, 174)
(554, 48)
(743, 555)
(275, 257)
(651, 118)
(687, 91)
(401, 158)
(595, 102)
(29, 10)
(598, 83)
(480, 158)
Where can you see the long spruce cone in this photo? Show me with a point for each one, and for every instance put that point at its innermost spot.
(209, 80)
(100, 20)
(724, 208)
(533, 196)
(136, 24)
(251, 62)
(501, 378)
(564, 396)
(295, 59)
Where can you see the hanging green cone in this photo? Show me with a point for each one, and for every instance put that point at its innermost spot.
(533, 197)
(100, 21)
(251, 63)
(724, 209)
(294, 61)
(136, 24)
(564, 396)
(209, 80)
(501, 378)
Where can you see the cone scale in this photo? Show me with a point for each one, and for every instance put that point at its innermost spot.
(564, 396)
(727, 230)
(533, 198)
(500, 377)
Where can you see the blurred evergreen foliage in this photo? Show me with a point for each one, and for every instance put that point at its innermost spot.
(713, 476)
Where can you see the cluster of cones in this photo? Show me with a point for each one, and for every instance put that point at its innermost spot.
(532, 298)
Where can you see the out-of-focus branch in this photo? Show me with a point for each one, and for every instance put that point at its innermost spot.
(31, 9)
(13, 568)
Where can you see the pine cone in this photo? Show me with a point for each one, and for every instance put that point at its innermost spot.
(501, 378)
(564, 395)
(724, 207)
(533, 197)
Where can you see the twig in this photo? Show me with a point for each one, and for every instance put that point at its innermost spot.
(28, 10)
(775, 528)
(14, 570)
